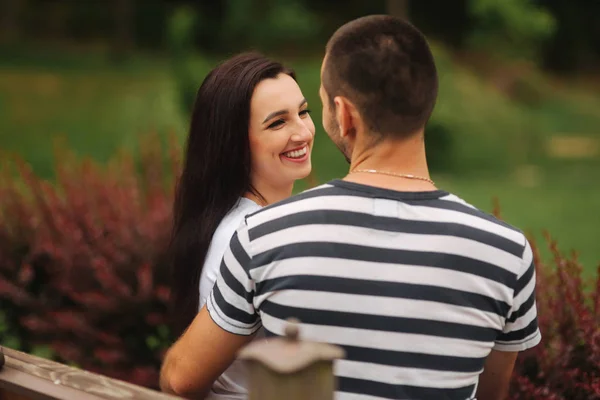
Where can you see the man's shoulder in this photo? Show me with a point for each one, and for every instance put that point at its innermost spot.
(334, 198)
(493, 223)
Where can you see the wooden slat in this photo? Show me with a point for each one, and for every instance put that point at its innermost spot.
(15, 384)
(24, 373)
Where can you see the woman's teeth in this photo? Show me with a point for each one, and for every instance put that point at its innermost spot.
(296, 153)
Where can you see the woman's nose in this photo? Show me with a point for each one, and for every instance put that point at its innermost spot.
(302, 133)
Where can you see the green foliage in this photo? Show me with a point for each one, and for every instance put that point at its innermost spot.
(42, 351)
(267, 23)
(180, 29)
(265, 26)
(513, 28)
(180, 35)
(440, 148)
(8, 335)
(160, 340)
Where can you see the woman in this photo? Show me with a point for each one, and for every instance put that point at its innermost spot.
(250, 139)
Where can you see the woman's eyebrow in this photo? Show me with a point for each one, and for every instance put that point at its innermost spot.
(282, 112)
(275, 114)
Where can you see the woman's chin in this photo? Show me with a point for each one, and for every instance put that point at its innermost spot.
(304, 172)
(293, 178)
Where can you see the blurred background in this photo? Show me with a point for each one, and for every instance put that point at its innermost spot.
(517, 118)
(517, 115)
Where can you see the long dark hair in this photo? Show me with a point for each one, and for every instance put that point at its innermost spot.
(216, 171)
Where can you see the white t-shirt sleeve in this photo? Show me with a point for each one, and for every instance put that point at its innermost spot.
(521, 330)
(219, 244)
(231, 302)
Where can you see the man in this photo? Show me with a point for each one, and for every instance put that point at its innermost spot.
(422, 290)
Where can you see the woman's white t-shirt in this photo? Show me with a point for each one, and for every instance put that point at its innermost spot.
(231, 385)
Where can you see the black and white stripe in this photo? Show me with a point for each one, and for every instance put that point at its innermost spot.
(417, 288)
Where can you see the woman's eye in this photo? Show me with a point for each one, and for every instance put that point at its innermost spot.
(277, 123)
(304, 112)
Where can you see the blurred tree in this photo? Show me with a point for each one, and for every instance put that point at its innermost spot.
(398, 8)
(575, 46)
(447, 21)
(56, 18)
(278, 25)
(565, 34)
(513, 28)
(124, 11)
(9, 20)
(180, 40)
(150, 23)
(334, 13)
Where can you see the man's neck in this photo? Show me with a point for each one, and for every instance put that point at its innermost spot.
(398, 157)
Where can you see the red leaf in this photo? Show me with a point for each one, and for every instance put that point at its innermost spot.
(36, 324)
(144, 278)
(96, 300)
(109, 356)
(15, 294)
(25, 274)
(155, 319)
(163, 293)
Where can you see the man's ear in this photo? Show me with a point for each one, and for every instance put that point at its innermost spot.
(343, 115)
(347, 116)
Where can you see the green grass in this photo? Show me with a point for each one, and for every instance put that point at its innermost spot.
(496, 143)
(564, 208)
(95, 110)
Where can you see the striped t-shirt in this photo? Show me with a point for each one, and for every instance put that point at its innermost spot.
(416, 287)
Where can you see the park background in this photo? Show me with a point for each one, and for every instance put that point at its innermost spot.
(95, 97)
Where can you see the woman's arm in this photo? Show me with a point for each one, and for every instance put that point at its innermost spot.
(201, 354)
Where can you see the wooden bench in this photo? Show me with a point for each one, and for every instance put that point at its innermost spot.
(27, 377)
(278, 368)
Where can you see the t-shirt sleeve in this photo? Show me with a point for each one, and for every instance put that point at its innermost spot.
(218, 245)
(210, 271)
(230, 303)
(521, 330)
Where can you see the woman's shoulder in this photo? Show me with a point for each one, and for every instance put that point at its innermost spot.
(220, 241)
(234, 218)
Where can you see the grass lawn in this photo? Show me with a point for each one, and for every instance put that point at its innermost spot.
(497, 145)
(566, 210)
(95, 110)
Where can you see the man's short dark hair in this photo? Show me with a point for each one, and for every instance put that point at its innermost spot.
(385, 67)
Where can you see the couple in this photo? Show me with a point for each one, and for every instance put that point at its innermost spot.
(429, 297)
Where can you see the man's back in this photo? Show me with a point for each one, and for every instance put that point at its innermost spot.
(417, 287)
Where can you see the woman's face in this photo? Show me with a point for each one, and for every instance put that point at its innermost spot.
(281, 133)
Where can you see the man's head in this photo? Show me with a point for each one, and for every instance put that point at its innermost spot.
(379, 80)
